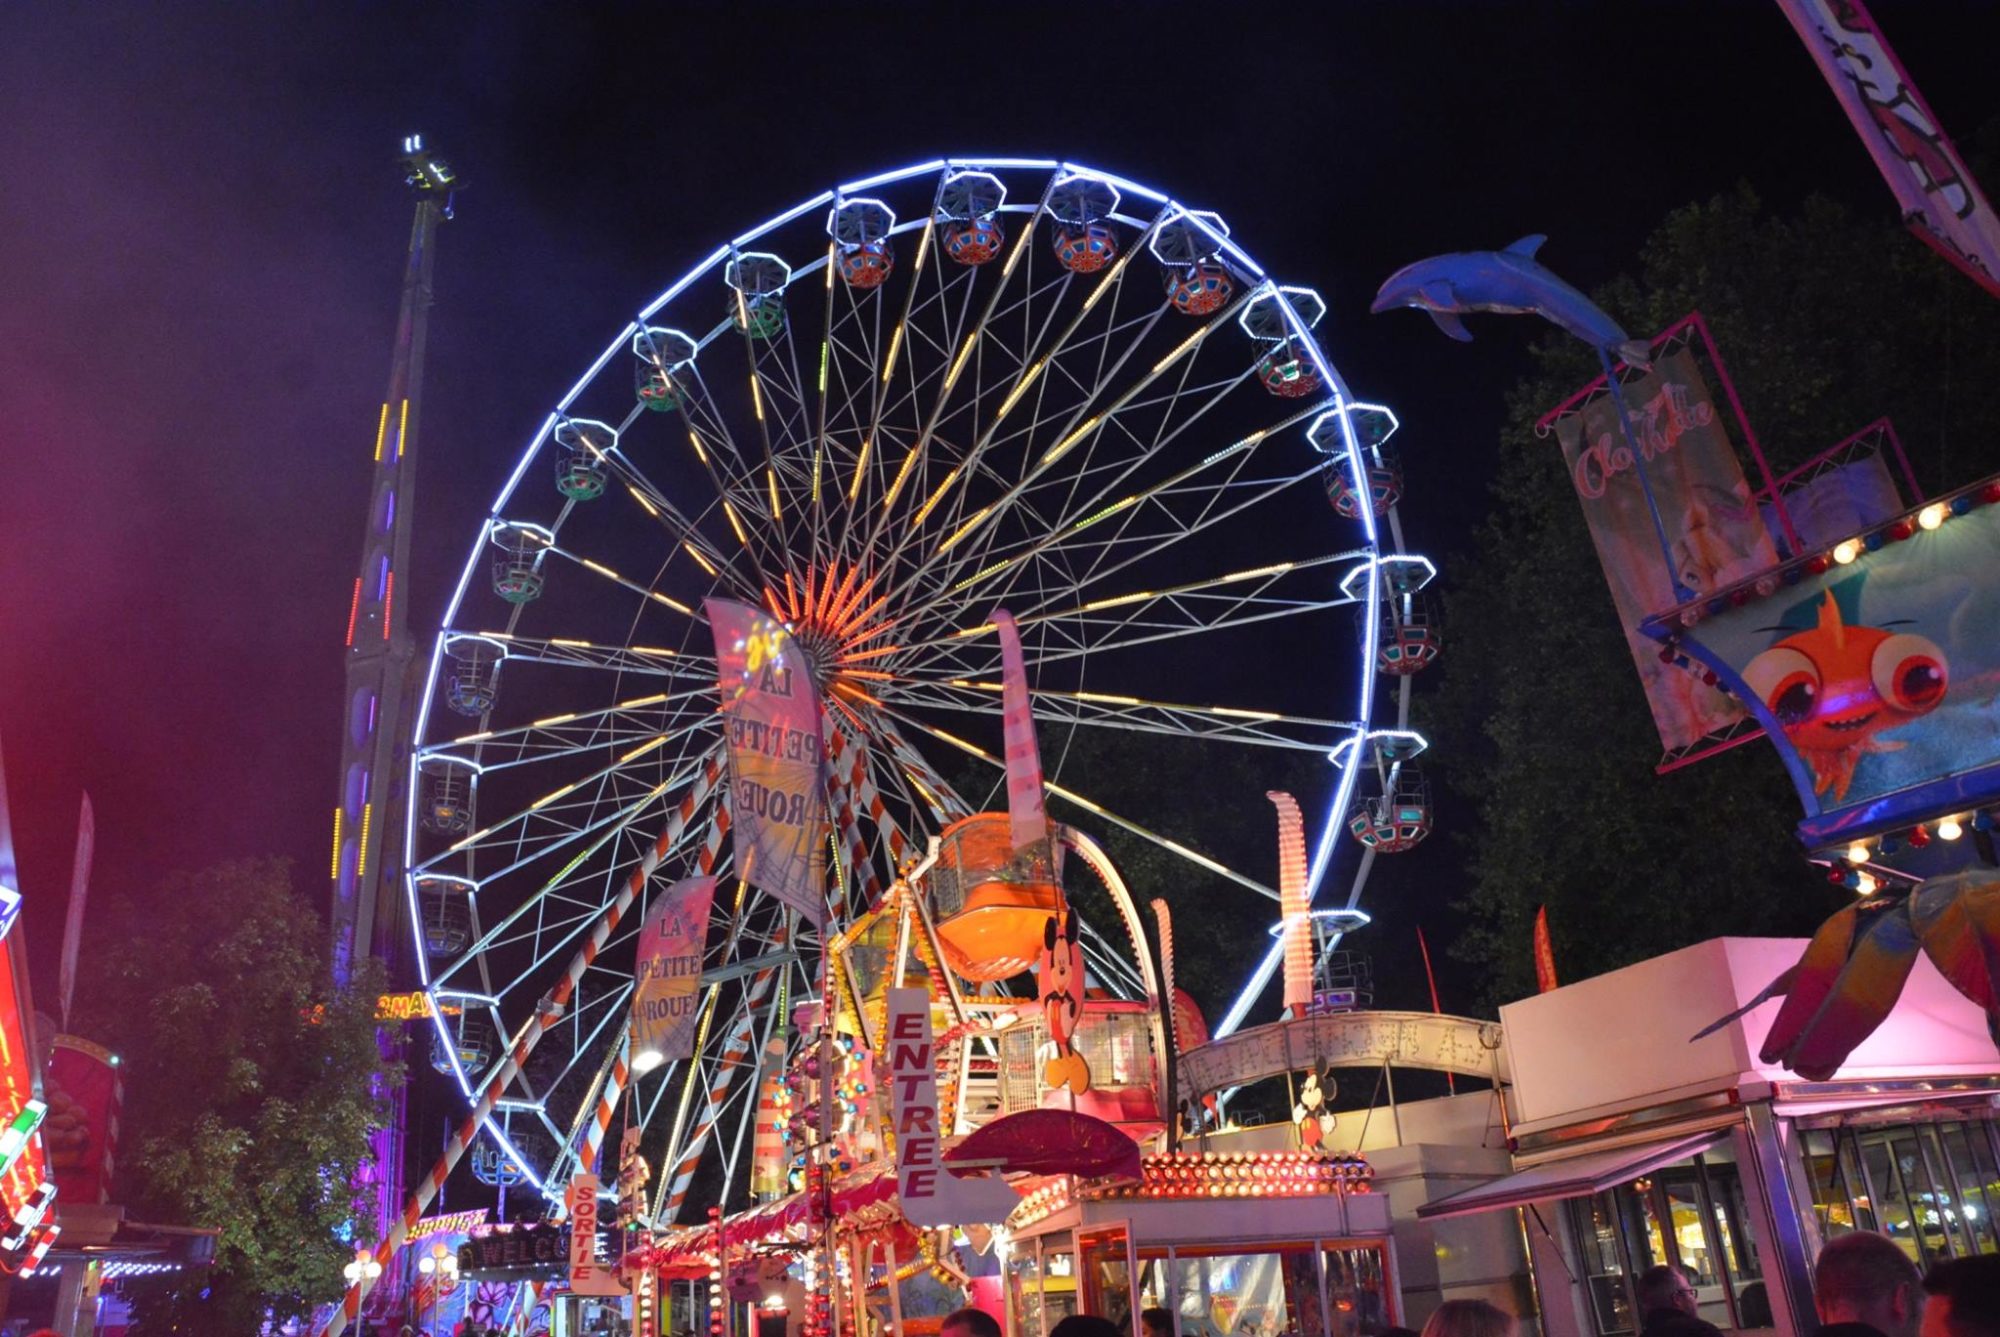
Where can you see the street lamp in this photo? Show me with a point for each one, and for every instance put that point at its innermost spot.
(442, 1262)
(364, 1265)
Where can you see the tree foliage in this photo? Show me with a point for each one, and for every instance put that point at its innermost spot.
(1825, 324)
(251, 1084)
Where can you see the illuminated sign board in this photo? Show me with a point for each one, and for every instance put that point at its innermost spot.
(523, 1248)
(25, 1190)
(412, 1006)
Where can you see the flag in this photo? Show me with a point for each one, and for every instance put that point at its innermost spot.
(776, 752)
(1941, 202)
(79, 890)
(668, 973)
(1545, 955)
(1028, 817)
(1297, 917)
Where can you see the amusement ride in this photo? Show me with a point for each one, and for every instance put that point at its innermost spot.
(896, 407)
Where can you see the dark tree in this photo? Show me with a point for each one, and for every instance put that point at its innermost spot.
(1825, 323)
(250, 1088)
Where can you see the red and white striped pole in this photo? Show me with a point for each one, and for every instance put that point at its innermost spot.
(735, 1055)
(552, 1008)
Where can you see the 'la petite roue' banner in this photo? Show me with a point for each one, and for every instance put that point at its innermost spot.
(669, 972)
(776, 756)
(1714, 529)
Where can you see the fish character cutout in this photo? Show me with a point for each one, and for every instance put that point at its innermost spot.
(1836, 685)
(1511, 282)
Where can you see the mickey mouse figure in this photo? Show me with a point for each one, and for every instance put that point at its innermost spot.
(1306, 1111)
(1061, 993)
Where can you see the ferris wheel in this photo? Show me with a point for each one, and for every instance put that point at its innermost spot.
(882, 414)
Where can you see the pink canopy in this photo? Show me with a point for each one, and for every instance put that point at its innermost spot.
(1047, 1142)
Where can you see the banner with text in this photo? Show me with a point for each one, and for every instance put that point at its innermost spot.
(930, 1195)
(587, 1274)
(668, 973)
(776, 755)
(1713, 526)
(1941, 202)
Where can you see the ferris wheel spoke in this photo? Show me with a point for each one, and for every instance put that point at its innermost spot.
(1236, 599)
(653, 660)
(703, 551)
(593, 834)
(1260, 728)
(1166, 843)
(555, 737)
(1077, 430)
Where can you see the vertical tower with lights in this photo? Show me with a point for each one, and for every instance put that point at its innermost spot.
(365, 872)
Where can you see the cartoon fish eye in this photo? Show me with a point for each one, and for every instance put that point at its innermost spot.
(1787, 681)
(1909, 672)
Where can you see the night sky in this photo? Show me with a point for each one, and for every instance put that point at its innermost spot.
(201, 235)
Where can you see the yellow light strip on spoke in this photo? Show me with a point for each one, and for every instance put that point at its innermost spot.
(643, 748)
(963, 530)
(930, 504)
(771, 485)
(1020, 388)
(756, 397)
(860, 468)
(669, 601)
(735, 523)
(901, 474)
(569, 644)
(895, 346)
(553, 720)
(600, 569)
(958, 363)
(381, 431)
(694, 439)
(699, 560)
(1180, 352)
(1068, 443)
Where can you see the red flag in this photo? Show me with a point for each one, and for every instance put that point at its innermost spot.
(778, 801)
(1545, 955)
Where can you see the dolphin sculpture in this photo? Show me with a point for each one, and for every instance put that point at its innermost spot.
(1510, 282)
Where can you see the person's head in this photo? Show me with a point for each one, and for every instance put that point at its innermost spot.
(1156, 1322)
(969, 1322)
(1086, 1325)
(1964, 1298)
(1863, 1277)
(1664, 1286)
(1753, 1305)
(1469, 1318)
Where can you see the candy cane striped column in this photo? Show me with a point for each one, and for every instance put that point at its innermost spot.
(853, 849)
(531, 1035)
(736, 1049)
(607, 1105)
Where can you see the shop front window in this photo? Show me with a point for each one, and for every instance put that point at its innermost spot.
(1691, 1215)
(1931, 1187)
(1294, 1290)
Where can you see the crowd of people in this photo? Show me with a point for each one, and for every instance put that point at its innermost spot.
(1863, 1286)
